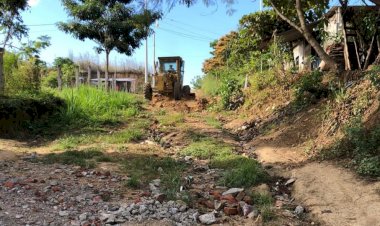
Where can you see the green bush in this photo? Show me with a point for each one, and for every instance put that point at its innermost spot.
(230, 91)
(309, 88)
(374, 75)
(50, 81)
(361, 145)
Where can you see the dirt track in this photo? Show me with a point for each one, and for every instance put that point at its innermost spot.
(336, 196)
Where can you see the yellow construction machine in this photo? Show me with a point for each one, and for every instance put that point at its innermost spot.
(169, 79)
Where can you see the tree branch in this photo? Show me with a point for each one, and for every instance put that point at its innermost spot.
(295, 26)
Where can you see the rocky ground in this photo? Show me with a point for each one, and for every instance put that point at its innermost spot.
(32, 193)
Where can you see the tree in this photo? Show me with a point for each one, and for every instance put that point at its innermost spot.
(112, 24)
(11, 25)
(300, 16)
(68, 69)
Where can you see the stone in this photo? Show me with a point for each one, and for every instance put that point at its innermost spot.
(290, 181)
(278, 204)
(188, 158)
(233, 191)
(160, 197)
(83, 217)
(240, 196)
(248, 199)
(9, 184)
(219, 205)
(63, 213)
(230, 210)
(262, 189)
(217, 195)
(247, 209)
(18, 216)
(229, 198)
(208, 218)
(253, 214)
(53, 183)
(299, 210)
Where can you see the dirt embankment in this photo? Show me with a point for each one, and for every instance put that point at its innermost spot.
(333, 194)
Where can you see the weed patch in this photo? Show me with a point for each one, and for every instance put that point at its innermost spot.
(212, 121)
(207, 149)
(85, 158)
(240, 171)
(171, 119)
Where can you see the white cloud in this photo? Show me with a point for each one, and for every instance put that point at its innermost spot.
(33, 2)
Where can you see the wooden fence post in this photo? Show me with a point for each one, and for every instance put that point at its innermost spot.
(77, 82)
(98, 76)
(59, 78)
(88, 75)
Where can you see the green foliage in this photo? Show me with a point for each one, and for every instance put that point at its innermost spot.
(374, 75)
(212, 121)
(309, 88)
(11, 23)
(210, 85)
(241, 171)
(50, 80)
(23, 69)
(20, 112)
(197, 82)
(230, 91)
(133, 182)
(207, 149)
(171, 119)
(361, 145)
(88, 105)
(68, 70)
(112, 24)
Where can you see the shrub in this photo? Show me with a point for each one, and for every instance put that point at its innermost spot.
(309, 88)
(241, 172)
(374, 75)
(230, 91)
(361, 145)
(50, 81)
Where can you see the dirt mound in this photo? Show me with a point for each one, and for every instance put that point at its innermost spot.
(185, 105)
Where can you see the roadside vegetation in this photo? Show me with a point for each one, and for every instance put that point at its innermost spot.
(239, 171)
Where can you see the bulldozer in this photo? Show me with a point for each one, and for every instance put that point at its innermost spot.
(169, 79)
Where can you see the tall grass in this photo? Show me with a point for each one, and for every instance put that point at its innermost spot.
(90, 105)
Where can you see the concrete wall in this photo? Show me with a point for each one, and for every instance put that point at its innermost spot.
(334, 28)
(301, 55)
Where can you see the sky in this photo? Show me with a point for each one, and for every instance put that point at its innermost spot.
(185, 32)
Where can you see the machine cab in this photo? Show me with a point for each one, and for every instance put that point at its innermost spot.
(172, 66)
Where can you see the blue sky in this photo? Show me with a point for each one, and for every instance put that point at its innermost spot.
(183, 31)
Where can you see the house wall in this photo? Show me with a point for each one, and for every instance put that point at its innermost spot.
(334, 28)
(301, 55)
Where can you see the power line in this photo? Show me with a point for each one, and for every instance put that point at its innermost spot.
(189, 25)
(193, 37)
(189, 31)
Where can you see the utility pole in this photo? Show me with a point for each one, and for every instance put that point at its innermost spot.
(146, 47)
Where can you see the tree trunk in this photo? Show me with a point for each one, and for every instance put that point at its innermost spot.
(59, 78)
(369, 53)
(107, 68)
(2, 79)
(88, 75)
(77, 82)
(306, 33)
